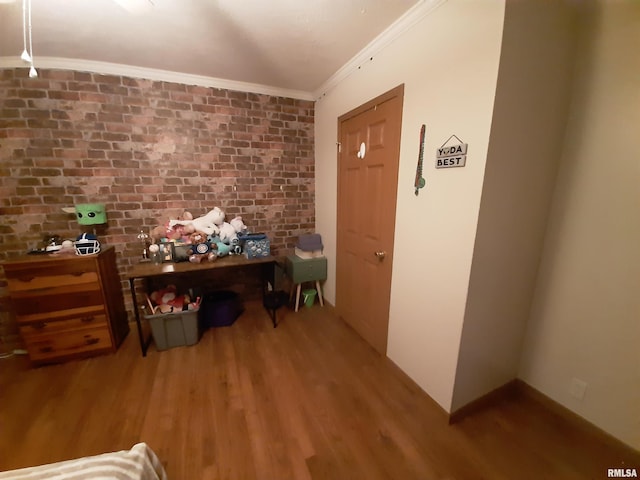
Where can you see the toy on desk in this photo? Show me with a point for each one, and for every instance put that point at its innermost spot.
(197, 237)
(201, 249)
(208, 223)
(222, 249)
(228, 234)
(256, 245)
(154, 254)
(232, 231)
(177, 231)
(223, 238)
(203, 252)
(180, 228)
(238, 225)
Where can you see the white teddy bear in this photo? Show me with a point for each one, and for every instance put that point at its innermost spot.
(228, 234)
(238, 225)
(209, 223)
(229, 231)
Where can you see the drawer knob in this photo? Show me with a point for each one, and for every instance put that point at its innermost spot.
(38, 325)
(380, 254)
(91, 341)
(87, 319)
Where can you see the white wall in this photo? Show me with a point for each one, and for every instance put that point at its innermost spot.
(527, 132)
(449, 64)
(585, 320)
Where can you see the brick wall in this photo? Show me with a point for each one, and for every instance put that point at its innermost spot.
(149, 151)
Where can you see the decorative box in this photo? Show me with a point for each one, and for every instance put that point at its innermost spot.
(256, 245)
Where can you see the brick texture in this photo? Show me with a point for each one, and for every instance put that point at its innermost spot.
(149, 151)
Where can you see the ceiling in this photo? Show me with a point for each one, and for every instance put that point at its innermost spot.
(289, 45)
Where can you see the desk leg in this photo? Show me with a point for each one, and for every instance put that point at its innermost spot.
(269, 278)
(143, 344)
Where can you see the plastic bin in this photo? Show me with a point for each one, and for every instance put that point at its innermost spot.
(220, 309)
(174, 329)
(309, 297)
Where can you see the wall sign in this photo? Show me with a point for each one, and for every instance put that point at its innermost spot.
(454, 155)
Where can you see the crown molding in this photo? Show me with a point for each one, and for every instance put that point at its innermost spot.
(153, 74)
(400, 26)
(404, 23)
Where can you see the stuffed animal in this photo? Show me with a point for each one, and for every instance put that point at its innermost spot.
(167, 300)
(212, 256)
(160, 232)
(238, 225)
(201, 249)
(197, 237)
(208, 223)
(68, 248)
(203, 252)
(228, 234)
(176, 231)
(222, 249)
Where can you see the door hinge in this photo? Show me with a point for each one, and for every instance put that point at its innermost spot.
(339, 147)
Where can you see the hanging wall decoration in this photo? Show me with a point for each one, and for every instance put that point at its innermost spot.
(454, 155)
(420, 181)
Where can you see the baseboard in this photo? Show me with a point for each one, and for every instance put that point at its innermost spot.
(516, 388)
(576, 421)
(506, 391)
(412, 385)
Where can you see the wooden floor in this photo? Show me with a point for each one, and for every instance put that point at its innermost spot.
(308, 400)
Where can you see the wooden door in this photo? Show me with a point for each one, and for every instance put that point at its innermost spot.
(368, 159)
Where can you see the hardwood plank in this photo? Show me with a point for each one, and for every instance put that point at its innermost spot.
(308, 400)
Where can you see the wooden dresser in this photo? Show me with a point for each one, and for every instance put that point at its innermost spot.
(67, 306)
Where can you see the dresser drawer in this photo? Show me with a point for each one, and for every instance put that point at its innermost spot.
(98, 320)
(306, 270)
(31, 307)
(44, 347)
(44, 275)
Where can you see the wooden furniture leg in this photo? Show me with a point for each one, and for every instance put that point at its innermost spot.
(298, 296)
(319, 290)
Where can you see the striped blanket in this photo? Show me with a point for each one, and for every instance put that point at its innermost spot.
(139, 463)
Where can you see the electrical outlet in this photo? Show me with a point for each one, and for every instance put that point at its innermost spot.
(578, 388)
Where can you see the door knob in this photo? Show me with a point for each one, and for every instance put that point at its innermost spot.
(380, 254)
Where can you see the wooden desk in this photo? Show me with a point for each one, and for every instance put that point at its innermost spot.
(148, 270)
